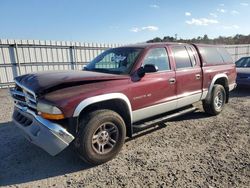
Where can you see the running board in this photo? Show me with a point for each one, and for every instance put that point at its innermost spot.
(148, 124)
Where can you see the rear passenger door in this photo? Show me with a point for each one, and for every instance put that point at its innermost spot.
(188, 75)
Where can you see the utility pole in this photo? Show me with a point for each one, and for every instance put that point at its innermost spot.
(176, 35)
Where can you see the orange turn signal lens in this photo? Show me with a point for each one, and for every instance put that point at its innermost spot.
(52, 116)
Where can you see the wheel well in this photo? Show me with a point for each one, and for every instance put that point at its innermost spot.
(116, 105)
(224, 82)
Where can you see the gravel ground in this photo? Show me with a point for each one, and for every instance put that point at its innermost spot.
(191, 151)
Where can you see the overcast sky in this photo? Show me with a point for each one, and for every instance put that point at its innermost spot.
(121, 21)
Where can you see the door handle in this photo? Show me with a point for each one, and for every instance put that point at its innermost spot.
(172, 80)
(197, 76)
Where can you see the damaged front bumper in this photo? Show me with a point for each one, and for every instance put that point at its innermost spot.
(50, 136)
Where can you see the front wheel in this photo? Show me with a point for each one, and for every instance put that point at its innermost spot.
(100, 137)
(217, 100)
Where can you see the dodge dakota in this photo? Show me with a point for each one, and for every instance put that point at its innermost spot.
(121, 91)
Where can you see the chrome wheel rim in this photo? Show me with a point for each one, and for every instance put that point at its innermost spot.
(105, 138)
(218, 100)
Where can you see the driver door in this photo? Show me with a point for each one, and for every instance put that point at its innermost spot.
(155, 93)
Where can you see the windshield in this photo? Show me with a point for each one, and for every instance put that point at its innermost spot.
(243, 62)
(115, 60)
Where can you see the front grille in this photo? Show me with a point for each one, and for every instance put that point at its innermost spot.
(23, 120)
(23, 97)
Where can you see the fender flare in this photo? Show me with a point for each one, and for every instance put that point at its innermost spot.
(100, 98)
(215, 78)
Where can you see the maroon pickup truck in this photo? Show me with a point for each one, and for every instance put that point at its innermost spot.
(121, 91)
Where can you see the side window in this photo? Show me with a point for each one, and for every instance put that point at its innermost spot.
(247, 62)
(225, 55)
(243, 62)
(211, 55)
(181, 57)
(158, 57)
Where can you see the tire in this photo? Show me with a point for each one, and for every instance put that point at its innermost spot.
(100, 137)
(217, 100)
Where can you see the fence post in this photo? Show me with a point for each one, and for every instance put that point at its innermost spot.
(13, 61)
(17, 58)
(72, 57)
(248, 50)
(75, 56)
(236, 53)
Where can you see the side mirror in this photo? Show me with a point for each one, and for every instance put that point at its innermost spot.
(141, 72)
(148, 68)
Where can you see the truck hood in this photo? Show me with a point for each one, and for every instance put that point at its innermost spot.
(45, 82)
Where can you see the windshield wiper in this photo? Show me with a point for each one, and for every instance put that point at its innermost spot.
(105, 71)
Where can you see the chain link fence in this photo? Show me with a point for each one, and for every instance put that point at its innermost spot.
(238, 51)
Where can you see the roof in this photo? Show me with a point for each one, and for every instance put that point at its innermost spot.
(146, 45)
(207, 45)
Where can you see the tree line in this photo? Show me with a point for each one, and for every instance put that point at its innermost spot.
(237, 39)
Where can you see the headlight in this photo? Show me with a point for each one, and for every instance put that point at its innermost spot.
(49, 111)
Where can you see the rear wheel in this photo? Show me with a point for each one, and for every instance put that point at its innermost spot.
(217, 100)
(100, 137)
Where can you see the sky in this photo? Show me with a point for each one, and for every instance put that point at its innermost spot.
(121, 21)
